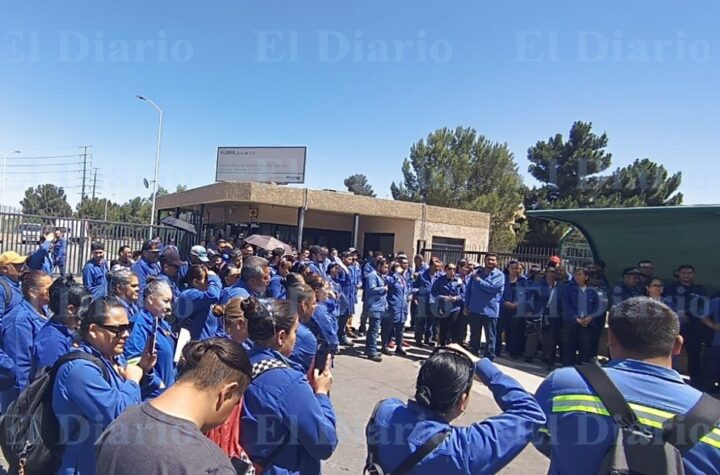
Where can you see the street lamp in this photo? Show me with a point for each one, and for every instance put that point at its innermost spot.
(2, 193)
(157, 155)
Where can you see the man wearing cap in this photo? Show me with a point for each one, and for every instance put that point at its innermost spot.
(199, 256)
(148, 265)
(12, 266)
(95, 272)
(40, 259)
(626, 288)
(173, 271)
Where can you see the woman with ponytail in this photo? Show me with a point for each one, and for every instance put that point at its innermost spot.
(288, 423)
(397, 430)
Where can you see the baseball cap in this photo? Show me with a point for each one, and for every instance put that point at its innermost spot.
(631, 271)
(151, 245)
(171, 258)
(555, 260)
(199, 252)
(11, 257)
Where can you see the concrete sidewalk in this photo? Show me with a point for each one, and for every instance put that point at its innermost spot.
(360, 383)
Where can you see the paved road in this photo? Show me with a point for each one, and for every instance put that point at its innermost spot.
(360, 383)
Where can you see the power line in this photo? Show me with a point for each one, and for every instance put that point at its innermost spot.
(44, 173)
(44, 164)
(49, 157)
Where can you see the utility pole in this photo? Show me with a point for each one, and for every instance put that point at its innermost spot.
(94, 182)
(82, 194)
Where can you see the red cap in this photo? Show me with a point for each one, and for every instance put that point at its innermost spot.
(555, 260)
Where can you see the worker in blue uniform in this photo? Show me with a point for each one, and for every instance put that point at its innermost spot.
(254, 280)
(95, 272)
(322, 323)
(483, 294)
(153, 317)
(125, 286)
(376, 302)
(59, 251)
(425, 323)
(12, 265)
(276, 288)
(449, 293)
(41, 258)
(57, 336)
(149, 264)
(20, 327)
(398, 303)
(173, 271)
(88, 395)
(346, 282)
(306, 344)
(194, 306)
(642, 337)
(288, 423)
(319, 261)
(582, 308)
(397, 429)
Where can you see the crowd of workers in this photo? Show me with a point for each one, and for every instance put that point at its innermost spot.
(222, 364)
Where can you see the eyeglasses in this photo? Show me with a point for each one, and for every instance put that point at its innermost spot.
(117, 329)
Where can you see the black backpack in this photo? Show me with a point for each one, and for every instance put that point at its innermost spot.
(638, 451)
(29, 430)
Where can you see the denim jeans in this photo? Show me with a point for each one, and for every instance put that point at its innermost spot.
(372, 334)
(483, 323)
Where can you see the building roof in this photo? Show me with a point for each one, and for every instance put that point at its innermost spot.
(668, 236)
(318, 200)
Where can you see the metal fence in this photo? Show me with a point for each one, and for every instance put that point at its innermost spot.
(528, 256)
(21, 233)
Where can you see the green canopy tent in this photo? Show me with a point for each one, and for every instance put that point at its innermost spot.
(668, 236)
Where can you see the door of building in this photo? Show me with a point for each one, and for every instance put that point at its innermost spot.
(383, 242)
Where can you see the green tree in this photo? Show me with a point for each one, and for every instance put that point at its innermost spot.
(461, 169)
(180, 188)
(570, 176)
(46, 200)
(96, 209)
(358, 185)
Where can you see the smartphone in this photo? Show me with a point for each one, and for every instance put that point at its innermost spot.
(321, 356)
(152, 343)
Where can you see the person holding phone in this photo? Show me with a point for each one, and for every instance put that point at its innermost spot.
(288, 422)
(88, 395)
(151, 331)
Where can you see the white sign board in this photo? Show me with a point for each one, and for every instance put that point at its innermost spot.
(262, 164)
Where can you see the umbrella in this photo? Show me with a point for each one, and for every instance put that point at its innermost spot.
(268, 243)
(179, 224)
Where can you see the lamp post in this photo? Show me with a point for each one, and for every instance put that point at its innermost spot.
(2, 190)
(157, 156)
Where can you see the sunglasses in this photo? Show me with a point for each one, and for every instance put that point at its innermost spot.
(117, 329)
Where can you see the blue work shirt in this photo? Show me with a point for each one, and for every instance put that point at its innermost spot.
(85, 404)
(281, 407)
(481, 448)
(484, 292)
(239, 289)
(132, 309)
(398, 298)
(453, 289)
(95, 278)
(578, 303)
(276, 289)
(52, 341)
(58, 252)
(510, 294)
(347, 287)
(713, 313)
(194, 310)
(324, 326)
(15, 297)
(423, 287)
(376, 300)
(305, 348)
(143, 323)
(40, 259)
(579, 430)
(19, 329)
(144, 269)
(174, 284)
(320, 268)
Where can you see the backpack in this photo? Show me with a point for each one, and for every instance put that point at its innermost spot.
(227, 435)
(372, 464)
(637, 450)
(29, 430)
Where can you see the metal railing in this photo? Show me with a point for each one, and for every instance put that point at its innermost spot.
(21, 233)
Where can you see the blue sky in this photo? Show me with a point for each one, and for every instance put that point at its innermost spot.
(330, 75)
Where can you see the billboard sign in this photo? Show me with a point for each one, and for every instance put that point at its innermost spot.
(262, 164)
